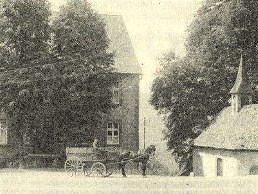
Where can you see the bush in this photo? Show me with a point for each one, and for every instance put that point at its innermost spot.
(162, 164)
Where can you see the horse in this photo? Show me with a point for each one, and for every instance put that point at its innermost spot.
(138, 158)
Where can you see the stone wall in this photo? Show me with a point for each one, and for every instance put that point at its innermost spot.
(8, 152)
(127, 113)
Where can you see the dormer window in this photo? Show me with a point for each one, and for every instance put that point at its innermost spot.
(116, 93)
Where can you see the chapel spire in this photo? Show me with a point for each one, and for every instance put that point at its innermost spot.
(241, 92)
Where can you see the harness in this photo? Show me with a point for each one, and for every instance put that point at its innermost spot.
(129, 159)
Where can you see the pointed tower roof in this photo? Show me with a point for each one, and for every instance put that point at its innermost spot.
(241, 85)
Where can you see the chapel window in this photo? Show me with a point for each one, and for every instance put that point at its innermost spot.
(219, 167)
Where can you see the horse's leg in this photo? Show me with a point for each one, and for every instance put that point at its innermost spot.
(123, 171)
(122, 167)
(122, 162)
(144, 166)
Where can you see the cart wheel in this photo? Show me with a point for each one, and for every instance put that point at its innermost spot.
(98, 169)
(73, 166)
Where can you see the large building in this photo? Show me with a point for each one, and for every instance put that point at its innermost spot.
(120, 128)
(229, 146)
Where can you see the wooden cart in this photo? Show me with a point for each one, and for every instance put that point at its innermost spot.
(87, 161)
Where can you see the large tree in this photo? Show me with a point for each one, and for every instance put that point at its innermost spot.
(24, 32)
(24, 35)
(55, 80)
(81, 43)
(193, 90)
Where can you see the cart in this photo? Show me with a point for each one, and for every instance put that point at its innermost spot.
(89, 161)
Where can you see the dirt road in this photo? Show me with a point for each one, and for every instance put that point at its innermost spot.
(29, 181)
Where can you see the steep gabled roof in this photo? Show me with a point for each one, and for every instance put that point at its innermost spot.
(241, 85)
(120, 44)
(232, 131)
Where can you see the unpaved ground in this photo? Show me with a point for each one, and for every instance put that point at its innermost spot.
(32, 181)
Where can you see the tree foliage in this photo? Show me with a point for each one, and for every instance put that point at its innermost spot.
(24, 35)
(24, 32)
(193, 90)
(80, 35)
(80, 40)
(55, 82)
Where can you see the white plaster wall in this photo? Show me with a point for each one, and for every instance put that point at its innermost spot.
(235, 163)
(209, 160)
(246, 161)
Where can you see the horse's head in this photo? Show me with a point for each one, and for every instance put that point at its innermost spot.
(150, 150)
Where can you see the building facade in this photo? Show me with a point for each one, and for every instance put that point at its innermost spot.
(121, 127)
(229, 146)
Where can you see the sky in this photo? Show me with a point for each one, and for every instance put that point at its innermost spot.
(155, 27)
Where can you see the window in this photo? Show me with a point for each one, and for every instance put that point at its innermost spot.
(116, 93)
(112, 133)
(219, 167)
(3, 133)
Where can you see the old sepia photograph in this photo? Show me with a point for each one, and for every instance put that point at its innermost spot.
(128, 96)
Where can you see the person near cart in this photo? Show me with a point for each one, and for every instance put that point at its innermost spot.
(101, 153)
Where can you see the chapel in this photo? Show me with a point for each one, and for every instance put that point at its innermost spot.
(229, 146)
